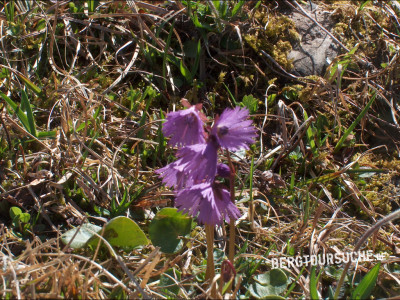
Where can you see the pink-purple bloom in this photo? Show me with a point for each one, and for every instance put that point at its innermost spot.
(223, 170)
(185, 127)
(193, 173)
(208, 202)
(200, 161)
(195, 164)
(174, 175)
(233, 130)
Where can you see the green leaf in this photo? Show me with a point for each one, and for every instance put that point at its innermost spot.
(24, 217)
(166, 228)
(363, 5)
(122, 232)
(354, 124)
(15, 212)
(344, 62)
(251, 103)
(38, 91)
(237, 7)
(185, 72)
(92, 5)
(27, 110)
(168, 283)
(22, 117)
(41, 24)
(82, 237)
(47, 134)
(25, 115)
(165, 55)
(313, 284)
(268, 285)
(197, 23)
(310, 137)
(197, 60)
(366, 285)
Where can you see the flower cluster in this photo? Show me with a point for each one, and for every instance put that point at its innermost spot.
(194, 173)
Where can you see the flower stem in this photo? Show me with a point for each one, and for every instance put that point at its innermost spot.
(210, 272)
(210, 247)
(251, 205)
(232, 233)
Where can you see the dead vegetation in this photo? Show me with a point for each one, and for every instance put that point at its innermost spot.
(85, 85)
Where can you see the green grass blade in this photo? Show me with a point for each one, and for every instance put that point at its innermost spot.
(230, 94)
(91, 6)
(9, 11)
(27, 110)
(167, 44)
(313, 284)
(293, 285)
(151, 94)
(185, 72)
(363, 5)
(13, 105)
(21, 115)
(306, 208)
(366, 285)
(37, 90)
(310, 137)
(251, 189)
(237, 7)
(197, 61)
(354, 124)
(47, 134)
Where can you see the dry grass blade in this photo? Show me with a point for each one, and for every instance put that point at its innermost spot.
(98, 78)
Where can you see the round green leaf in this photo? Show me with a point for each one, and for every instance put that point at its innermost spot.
(24, 217)
(166, 228)
(15, 211)
(271, 283)
(122, 232)
(83, 236)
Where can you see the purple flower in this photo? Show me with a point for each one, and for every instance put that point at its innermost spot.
(223, 170)
(200, 161)
(209, 202)
(233, 131)
(174, 175)
(195, 164)
(185, 127)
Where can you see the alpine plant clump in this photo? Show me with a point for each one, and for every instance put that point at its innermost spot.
(193, 175)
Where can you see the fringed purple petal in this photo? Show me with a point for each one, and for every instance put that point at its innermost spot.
(173, 175)
(209, 203)
(223, 171)
(200, 161)
(185, 127)
(233, 131)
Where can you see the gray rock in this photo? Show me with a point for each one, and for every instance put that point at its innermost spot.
(316, 49)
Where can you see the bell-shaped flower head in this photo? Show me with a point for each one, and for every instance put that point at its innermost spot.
(173, 175)
(223, 170)
(185, 127)
(195, 164)
(208, 202)
(199, 161)
(233, 130)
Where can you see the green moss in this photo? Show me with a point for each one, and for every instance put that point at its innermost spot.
(380, 189)
(276, 39)
(340, 28)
